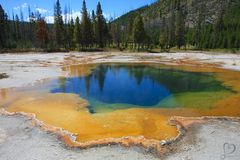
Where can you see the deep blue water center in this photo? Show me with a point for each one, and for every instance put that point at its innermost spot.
(134, 85)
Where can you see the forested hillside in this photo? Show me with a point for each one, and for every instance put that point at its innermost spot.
(165, 24)
(196, 24)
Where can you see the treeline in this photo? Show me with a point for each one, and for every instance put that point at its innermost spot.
(166, 24)
(88, 32)
(85, 32)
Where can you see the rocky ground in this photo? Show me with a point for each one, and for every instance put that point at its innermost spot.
(211, 139)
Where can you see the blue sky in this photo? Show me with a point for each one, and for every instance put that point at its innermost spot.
(111, 8)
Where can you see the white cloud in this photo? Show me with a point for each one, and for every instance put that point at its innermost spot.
(41, 10)
(22, 6)
(107, 15)
(16, 8)
(74, 15)
(49, 19)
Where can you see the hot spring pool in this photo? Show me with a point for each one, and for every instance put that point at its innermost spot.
(118, 100)
(111, 87)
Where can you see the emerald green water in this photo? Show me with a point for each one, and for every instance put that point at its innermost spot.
(111, 87)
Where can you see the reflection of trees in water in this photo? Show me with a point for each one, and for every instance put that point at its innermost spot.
(99, 74)
(101, 77)
(87, 83)
(175, 81)
(62, 83)
(137, 73)
(178, 81)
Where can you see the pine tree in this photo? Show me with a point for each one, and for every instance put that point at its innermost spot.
(77, 33)
(171, 25)
(219, 25)
(100, 26)
(180, 26)
(163, 35)
(58, 25)
(71, 34)
(129, 30)
(17, 29)
(94, 25)
(42, 33)
(3, 28)
(87, 32)
(199, 24)
(22, 30)
(30, 28)
(115, 33)
(106, 34)
(138, 31)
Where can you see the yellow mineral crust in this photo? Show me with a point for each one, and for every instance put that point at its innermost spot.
(70, 113)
